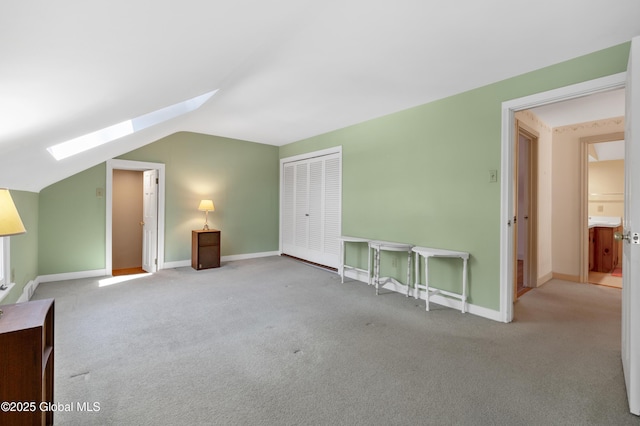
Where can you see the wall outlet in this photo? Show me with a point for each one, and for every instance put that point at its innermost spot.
(493, 176)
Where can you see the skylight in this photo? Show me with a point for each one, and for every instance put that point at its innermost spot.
(125, 128)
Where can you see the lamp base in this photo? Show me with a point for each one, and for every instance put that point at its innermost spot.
(206, 227)
(3, 287)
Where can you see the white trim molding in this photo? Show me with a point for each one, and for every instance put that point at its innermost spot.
(312, 154)
(72, 275)
(611, 82)
(115, 164)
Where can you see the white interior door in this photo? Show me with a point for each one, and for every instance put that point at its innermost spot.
(631, 249)
(522, 222)
(150, 221)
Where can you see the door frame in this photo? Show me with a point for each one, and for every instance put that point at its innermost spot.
(115, 164)
(532, 221)
(584, 196)
(611, 82)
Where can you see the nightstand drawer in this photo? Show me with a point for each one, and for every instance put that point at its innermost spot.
(209, 239)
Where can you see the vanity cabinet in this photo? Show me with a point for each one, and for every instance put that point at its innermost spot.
(606, 250)
(592, 248)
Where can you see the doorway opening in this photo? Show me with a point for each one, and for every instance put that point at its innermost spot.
(508, 292)
(126, 247)
(603, 205)
(134, 188)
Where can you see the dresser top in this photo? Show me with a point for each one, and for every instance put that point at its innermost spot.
(21, 316)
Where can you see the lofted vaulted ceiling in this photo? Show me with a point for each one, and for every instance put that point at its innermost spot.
(285, 69)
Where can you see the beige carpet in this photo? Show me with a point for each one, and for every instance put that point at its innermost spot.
(272, 341)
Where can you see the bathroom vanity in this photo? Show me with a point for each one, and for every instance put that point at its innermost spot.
(604, 250)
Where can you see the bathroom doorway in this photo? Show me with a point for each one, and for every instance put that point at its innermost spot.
(603, 206)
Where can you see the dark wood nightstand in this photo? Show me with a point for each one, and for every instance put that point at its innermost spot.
(205, 249)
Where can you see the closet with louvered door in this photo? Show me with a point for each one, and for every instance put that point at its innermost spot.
(311, 208)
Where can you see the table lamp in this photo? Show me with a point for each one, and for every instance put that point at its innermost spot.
(10, 222)
(206, 206)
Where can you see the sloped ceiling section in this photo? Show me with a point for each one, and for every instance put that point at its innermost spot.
(285, 69)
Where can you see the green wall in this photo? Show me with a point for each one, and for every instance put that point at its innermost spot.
(72, 224)
(241, 178)
(421, 176)
(418, 176)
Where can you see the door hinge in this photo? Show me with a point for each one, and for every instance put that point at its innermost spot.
(157, 181)
(155, 261)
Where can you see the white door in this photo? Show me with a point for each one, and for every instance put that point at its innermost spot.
(150, 221)
(631, 250)
(522, 216)
(311, 206)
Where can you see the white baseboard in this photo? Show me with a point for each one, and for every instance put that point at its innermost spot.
(356, 275)
(436, 298)
(71, 275)
(230, 258)
(167, 265)
(233, 257)
(176, 264)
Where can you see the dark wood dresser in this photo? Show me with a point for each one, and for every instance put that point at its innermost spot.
(26, 363)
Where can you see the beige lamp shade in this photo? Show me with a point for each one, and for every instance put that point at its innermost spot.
(206, 206)
(10, 222)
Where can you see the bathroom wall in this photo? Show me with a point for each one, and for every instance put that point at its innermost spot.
(606, 187)
(566, 191)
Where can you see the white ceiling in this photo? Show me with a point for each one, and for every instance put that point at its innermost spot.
(286, 69)
(607, 151)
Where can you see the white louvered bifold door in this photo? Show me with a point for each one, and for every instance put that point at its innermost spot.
(311, 209)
